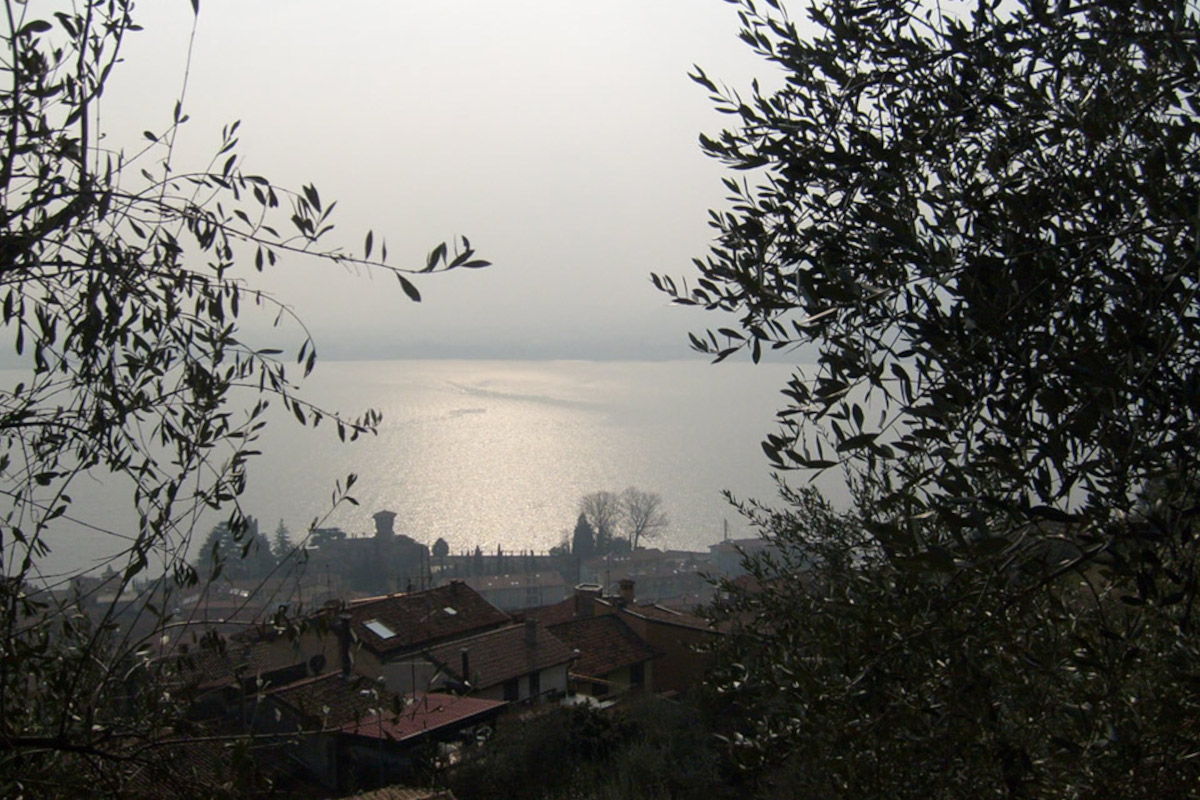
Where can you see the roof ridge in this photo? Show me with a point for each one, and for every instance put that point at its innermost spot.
(311, 679)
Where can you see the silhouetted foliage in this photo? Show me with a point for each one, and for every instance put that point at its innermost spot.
(583, 540)
(649, 749)
(441, 549)
(603, 513)
(282, 546)
(981, 218)
(850, 673)
(236, 551)
(124, 276)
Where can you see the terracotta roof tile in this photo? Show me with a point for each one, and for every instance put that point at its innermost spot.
(605, 644)
(361, 707)
(403, 793)
(422, 618)
(429, 713)
(187, 765)
(553, 614)
(501, 655)
(661, 614)
(332, 700)
(209, 668)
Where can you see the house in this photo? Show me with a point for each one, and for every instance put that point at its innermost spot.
(727, 555)
(385, 562)
(383, 637)
(346, 732)
(520, 590)
(675, 576)
(205, 761)
(218, 677)
(678, 638)
(231, 606)
(681, 640)
(394, 623)
(612, 658)
(517, 663)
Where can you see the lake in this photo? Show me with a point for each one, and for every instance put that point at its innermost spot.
(495, 453)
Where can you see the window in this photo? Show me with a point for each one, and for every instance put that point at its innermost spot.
(535, 685)
(379, 629)
(637, 675)
(512, 690)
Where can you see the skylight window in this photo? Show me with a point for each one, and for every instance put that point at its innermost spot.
(379, 629)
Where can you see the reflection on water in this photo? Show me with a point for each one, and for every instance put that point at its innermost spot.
(488, 453)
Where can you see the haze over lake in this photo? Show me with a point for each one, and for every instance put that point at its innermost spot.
(495, 453)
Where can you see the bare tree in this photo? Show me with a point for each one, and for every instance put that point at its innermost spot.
(603, 511)
(643, 515)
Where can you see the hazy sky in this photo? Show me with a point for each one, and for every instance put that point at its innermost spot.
(559, 135)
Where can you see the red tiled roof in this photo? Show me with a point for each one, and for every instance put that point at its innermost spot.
(423, 618)
(209, 668)
(501, 655)
(174, 767)
(429, 713)
(562, 611)
(333, 700)
(361, 707)
(202, 760)
(403, 793)
(670, 616)
(605, 644)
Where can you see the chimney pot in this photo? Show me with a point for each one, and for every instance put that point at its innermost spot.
(585, 596)
(626, 591)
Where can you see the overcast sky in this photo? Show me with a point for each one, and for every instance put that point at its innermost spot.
(559, 135)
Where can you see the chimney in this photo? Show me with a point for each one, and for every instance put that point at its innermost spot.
(343, 634)
(531, 632)
(626, 591)
(585, 595)
(466, 666)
